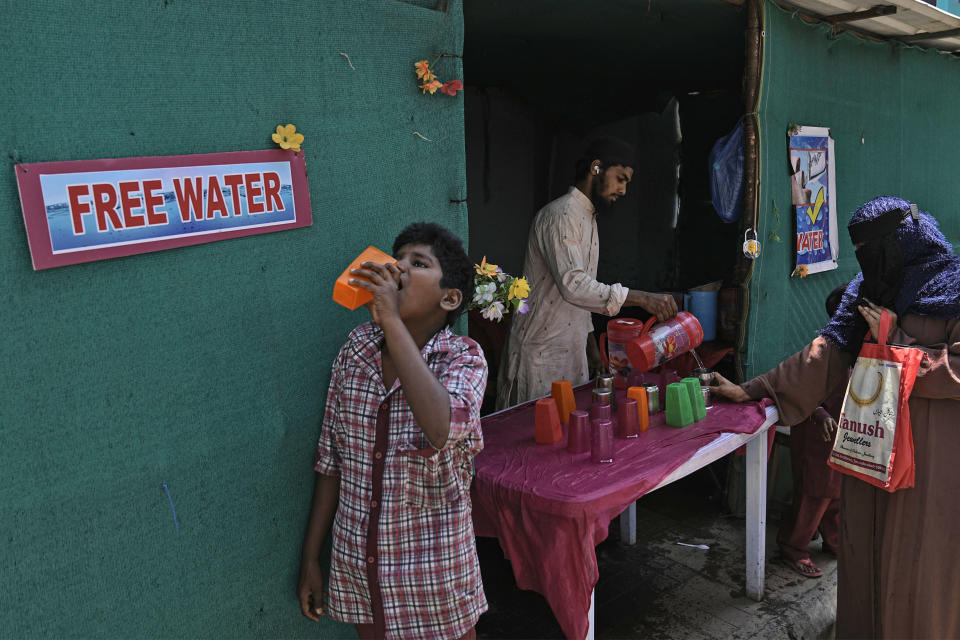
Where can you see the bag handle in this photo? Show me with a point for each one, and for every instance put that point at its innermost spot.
(884, 328)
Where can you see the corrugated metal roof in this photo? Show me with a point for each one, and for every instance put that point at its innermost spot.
(914, 21)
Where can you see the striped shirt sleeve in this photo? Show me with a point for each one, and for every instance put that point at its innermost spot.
(327, 459)
(465, 379)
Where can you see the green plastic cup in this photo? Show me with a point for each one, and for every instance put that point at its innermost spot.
(696, 398)
(679, 410)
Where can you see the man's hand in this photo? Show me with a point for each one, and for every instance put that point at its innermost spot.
(661, 305)
(727, 389)
(594, 359)
(310, 591)
(828, 426)
(383, 281)
(871, 313)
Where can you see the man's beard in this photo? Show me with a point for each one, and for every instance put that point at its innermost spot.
(599, 202)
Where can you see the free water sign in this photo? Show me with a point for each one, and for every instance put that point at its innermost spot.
(81, 211)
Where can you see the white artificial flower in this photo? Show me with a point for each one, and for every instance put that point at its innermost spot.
(494, 311)
(484, 293)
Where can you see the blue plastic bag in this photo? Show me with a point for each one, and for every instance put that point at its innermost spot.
(726, 175)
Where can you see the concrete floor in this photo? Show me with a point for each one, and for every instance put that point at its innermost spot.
(660, 590)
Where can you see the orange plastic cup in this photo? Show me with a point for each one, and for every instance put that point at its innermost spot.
(562, 393)
(640, 395)
(546, 422)
(352, 296)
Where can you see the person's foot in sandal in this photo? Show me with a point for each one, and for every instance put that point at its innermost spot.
(804, 567)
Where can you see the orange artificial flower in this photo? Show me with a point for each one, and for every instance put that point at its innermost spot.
(802, 270)
(423, 71)
(431, 86)
(485, 268)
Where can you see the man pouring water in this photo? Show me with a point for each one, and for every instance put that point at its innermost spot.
(555, 341)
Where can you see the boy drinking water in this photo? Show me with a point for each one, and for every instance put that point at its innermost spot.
(394, 460)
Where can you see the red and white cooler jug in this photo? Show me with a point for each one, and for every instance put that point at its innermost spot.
(661, 342)
(613, 348)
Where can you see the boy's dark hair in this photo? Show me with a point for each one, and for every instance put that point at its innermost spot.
(609, 151)
(834, 298)
(448, 248)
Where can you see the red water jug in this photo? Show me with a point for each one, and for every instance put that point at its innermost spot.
(658, 343)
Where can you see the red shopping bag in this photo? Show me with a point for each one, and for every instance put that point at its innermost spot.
(874, 441)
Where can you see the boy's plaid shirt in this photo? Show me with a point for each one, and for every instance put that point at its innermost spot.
(419, 566)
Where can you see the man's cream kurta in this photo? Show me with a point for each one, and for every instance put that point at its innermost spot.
(549, 343)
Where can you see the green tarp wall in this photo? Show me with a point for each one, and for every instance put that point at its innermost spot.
(892, 111)
(202, 368)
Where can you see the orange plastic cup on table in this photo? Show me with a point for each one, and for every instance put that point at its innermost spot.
(546, 422)
(640, 395)
(562, 393)
(352, 296)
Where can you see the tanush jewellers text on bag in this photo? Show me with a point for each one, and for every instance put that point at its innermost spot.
(869, 418)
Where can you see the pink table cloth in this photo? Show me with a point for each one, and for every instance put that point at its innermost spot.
(549, 509)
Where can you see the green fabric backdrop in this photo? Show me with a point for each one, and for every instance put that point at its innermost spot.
(201, 368)
(892, 111)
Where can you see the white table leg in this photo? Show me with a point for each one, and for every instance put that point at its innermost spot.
(756, 464)
(628, 525)
(589, 635)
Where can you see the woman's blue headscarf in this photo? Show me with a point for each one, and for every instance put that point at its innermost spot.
(931, 275)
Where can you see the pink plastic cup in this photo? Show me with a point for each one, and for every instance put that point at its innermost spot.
(600, 411)
(627, 420)
(601, 441)
(578, 432)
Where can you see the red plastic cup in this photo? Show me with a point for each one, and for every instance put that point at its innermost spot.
(546, 421)
(601, 441)
(578, 432)
(627, 424)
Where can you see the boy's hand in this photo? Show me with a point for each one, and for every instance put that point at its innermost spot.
(310, 591)
(383, 281)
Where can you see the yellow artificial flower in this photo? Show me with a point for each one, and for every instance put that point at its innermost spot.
(485, 268)
(431, 86)
(518, 289)
(801, 270)
(287, 137)
(423, 71)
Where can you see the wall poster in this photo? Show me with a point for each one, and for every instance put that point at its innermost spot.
(85, 210)
(814, 197)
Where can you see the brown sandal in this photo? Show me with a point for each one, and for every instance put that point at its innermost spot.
(804, 567)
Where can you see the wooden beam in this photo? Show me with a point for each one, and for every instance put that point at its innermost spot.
(949, 33)
(866, 14)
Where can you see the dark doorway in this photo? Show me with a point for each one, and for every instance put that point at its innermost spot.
(543, 75)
